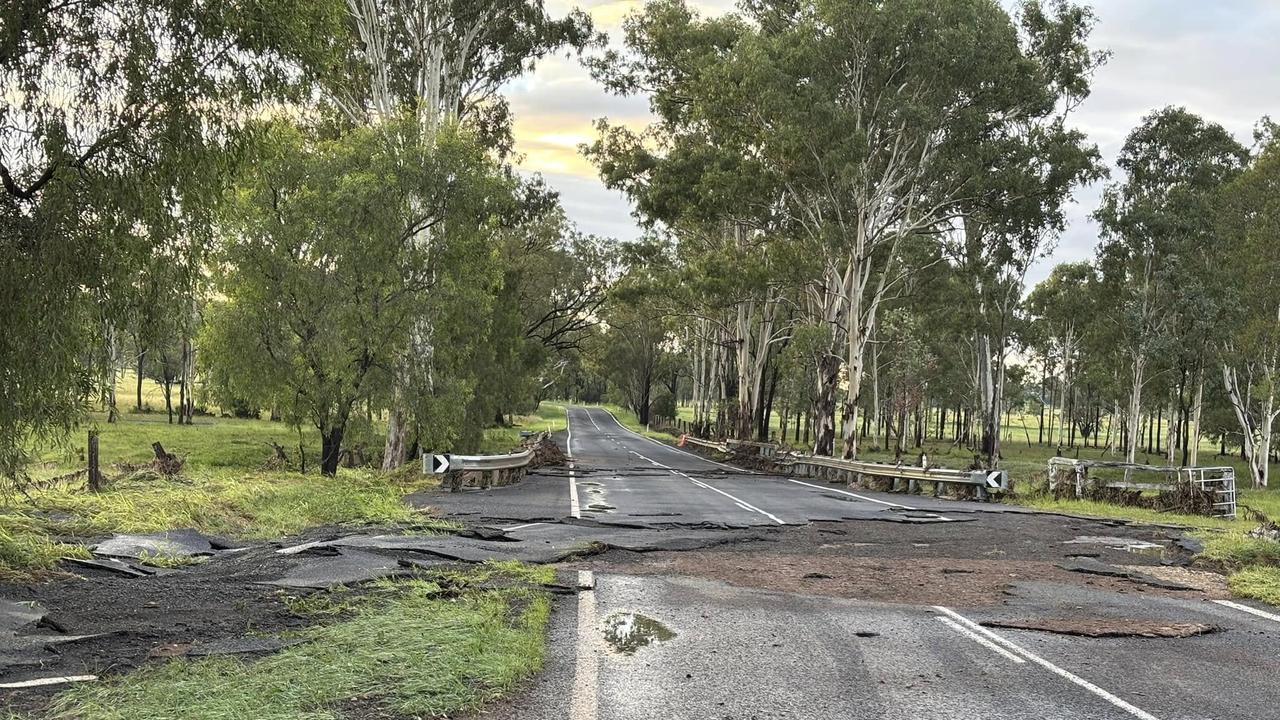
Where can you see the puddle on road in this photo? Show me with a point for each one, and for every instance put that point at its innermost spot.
(627, 632)
(592, 484)
(1133, 545)
(601, 506)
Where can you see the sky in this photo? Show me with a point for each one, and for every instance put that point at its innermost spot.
(1218, 58)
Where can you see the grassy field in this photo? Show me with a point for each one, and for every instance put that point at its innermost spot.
(228, 486)
(409, 648)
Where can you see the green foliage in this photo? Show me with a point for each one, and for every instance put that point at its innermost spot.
(111, 166)
(407, 651)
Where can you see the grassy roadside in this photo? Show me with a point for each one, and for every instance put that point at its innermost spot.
(548, 416)
(632, 423)
(227, 487)
(429, 647)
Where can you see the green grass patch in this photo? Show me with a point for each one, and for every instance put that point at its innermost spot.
(631, 422)
(1237, 551)
(407, 650)
(27, 550)
(497, 440)
(1258, 583)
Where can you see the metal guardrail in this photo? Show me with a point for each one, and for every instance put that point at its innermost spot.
(1217, 481)
(836, 469)
(493, 469)
(984, 481)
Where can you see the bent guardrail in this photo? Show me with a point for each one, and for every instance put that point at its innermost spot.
(488, 470)
(837, 469)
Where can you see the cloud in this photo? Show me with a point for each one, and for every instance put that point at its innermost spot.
(1216, 58)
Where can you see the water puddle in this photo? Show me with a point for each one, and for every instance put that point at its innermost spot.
(1133, 545)
(601, 507)
(592, 484)
(627, 632)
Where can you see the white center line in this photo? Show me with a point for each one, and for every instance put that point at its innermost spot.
(520, 527)
(856, 495)
(584, 698)
(676, 449)
(979, 639)
(575, 510)
(1250, 610)
(1065, 674)
(734, 498)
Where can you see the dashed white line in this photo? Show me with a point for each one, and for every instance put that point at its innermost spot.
(734, 498)
(856, 495)
(1060, 672)
(575, 510)
(979, 639)
(584, 699)
(520, 527)
(1250, 610)
(676, 449)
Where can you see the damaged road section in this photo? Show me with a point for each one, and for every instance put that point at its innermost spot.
(1108, 628)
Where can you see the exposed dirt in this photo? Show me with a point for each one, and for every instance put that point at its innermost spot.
(969, 565)
(917, 581)
(1102, 627)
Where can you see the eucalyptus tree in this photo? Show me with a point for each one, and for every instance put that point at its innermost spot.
(1062, 305)
(117, 118)
(868, 121)
(692, 174)
(1249, 221)
(1158, 241)
(316, 304)
(443, 64)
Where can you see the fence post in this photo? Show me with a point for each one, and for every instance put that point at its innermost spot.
(95, 475)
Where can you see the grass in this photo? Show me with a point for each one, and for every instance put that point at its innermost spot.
(226, 487)
(410, 649)
(631, 422)
(548, 416)
(1258, 583)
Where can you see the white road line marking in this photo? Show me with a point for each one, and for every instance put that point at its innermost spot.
(649, 460)
(1065, 674)
(734, 498)
(575, 510)
(584, 699)
(592, 419)
(520, 527)
(869, 499)
(676, 449)
(856, 495)
(1250, 610)
(979, 639)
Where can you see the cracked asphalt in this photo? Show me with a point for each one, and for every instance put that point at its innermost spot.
(776, 597)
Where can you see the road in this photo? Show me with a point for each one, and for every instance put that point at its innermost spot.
(894, 625)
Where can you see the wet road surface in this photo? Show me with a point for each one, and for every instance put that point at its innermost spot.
(664, 644)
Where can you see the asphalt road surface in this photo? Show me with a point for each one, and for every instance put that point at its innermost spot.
(899, 630)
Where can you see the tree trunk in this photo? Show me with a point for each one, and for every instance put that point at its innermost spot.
(330, 450)
(824, 406)
(142, 356)
(1135, 410)
(1193, 455)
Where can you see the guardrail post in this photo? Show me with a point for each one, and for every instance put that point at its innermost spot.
(913, 486)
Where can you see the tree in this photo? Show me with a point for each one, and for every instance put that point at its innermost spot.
(106, 161)
(1249, 219)
(863, 122)
(318, 302)
(1155, 224)
(441, 65)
